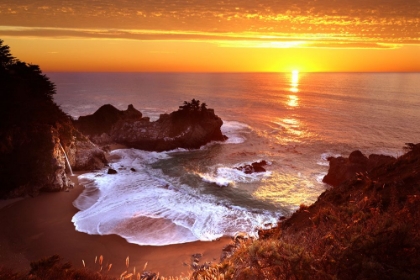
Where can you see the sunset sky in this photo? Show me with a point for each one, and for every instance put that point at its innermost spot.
(214, 36)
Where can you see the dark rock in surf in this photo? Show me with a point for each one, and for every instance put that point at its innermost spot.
(254, 167)
(112, 171)
(258, 166)
(343, 169)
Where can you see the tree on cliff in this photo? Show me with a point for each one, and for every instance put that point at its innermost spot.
(26, 94)
(6, 57)
(27, 114)
(193, 106)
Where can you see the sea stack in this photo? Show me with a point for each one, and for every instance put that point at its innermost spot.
(191, 126)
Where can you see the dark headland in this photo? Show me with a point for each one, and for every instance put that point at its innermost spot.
(365, 226)
(40, 148)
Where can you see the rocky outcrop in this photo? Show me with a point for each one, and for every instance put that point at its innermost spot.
(104, 118)
(254, 167)
(190, 127)
(87, 156)
(179, 129)
(343, 169)
(58, 180)
(80, 154)
(33, 159)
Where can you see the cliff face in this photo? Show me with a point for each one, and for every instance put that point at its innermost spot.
(380, 181)
(27, 160)
(343, 169)
(84, 155)
(33, 159)
(35, 133)
(185, 128)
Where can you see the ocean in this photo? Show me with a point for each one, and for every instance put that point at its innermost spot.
(294, 121)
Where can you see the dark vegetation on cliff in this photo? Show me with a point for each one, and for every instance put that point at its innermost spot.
(27, 116)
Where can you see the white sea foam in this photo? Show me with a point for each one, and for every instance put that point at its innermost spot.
(227, 176)
(323, 161)
(220, 181)
(145, 208)
(320, 176)
(234, 131)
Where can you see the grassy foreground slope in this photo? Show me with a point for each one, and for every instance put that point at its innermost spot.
(366, 228)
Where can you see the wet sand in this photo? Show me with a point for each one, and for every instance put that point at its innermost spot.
(39, 227)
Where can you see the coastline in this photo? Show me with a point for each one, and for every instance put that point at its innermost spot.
(34, 228)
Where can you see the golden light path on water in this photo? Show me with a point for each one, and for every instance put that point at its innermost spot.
(293, 100)
(286, 187)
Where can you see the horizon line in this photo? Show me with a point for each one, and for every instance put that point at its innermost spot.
(233, 72)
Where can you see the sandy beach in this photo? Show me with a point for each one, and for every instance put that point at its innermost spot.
(38, 227)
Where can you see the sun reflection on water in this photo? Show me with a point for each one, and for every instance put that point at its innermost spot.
(293, 101)
(294, 82)
(290, 129)
(289, 188)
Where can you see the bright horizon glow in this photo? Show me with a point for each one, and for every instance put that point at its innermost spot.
(233, 36)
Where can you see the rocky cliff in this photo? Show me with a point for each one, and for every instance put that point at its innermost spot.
(366, 227)
(35, 134)
(190, 127)
(357, 164)
(38, 158)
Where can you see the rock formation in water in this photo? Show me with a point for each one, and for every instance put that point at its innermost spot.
(35, 134)
(255, 167)
(104, 118)
(192, 126)
(343, 169)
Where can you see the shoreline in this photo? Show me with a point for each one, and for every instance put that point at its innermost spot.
(39, 227)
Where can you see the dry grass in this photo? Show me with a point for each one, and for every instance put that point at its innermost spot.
(53, 268)
(368, 228)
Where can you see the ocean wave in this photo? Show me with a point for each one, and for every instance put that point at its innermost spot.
(234, 131)
(147, 208)
(323, 161)
(320, 176)
(224, 176)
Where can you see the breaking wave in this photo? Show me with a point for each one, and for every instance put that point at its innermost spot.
(147, 208)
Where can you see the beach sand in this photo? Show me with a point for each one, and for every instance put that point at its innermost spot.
(38, 227)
